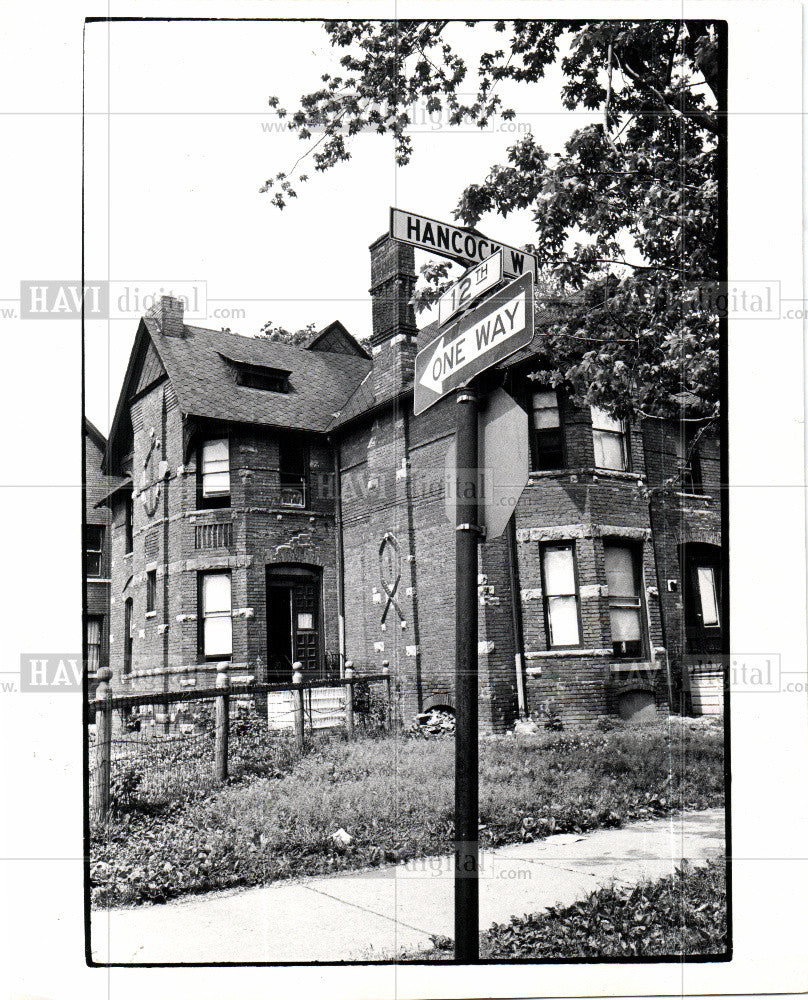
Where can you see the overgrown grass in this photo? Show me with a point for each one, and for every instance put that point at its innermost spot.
(394, 796)
(685, 914)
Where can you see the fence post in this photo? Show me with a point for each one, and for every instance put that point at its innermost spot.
(349, 716)
(388, 695)
(103, 744)
(297, 697)
(222, 721)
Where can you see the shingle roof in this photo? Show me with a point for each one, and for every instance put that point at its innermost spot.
(320, 382)
(363, 399)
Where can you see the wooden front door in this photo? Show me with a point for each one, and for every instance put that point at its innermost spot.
(293, 622)
(305, 627)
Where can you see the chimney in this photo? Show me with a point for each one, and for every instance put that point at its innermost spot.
(394, 341)
(170, 316)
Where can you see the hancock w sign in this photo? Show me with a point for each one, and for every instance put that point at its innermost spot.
(497, 328)
(458, 244)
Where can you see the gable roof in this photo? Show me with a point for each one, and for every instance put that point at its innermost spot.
(198, 367)
(93, 432)
(319, 383)
(335, 339)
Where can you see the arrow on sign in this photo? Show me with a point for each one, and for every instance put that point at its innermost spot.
(470, 345)
(498, 327)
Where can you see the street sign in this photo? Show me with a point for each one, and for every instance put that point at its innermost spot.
(458, 244)
(503, 463)
(494, 330)
(467, 289)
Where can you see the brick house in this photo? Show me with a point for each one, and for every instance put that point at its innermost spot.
(96, 554)
(273, 503)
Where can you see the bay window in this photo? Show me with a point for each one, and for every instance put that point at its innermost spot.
(214, 473)
(560, 589)
(625, 602)
(216, 625)
(546, 444)
(609, 439)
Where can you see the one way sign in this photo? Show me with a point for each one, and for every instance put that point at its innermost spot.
(497, 328)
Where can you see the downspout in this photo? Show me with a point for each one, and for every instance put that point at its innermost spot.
(340, 559)
(516, 616)
(166, 562)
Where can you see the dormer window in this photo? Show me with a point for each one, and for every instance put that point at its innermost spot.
(254, 376)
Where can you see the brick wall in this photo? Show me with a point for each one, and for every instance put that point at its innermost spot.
(678, 517)
(263, 533)
(392, 481)
(98, 589)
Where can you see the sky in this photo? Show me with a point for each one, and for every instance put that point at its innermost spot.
(179, 138)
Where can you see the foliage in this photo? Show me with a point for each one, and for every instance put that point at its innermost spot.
(298, 338)
(370, 707)
(684, 914)
(394, 796)
(549, 711)
(639, 333)
(123, 787)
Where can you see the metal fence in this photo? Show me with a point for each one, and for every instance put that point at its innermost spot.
(158, 746)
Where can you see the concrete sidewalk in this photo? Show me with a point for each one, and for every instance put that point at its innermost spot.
(361, 915)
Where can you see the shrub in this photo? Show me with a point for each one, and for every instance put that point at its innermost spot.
(123, 784)
(370, 707)
(684, 914)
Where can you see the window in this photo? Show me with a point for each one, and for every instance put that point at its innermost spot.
(689, 462)
(708, 596)
(547, 447)
(214, 473)
(625, 604)
(94, 540)
(560, 595)
(129, 519)
(151, 590)
(293, 462)
(262, 377)
(93, 637)
(127, 636)
(609, 437)
(701, 567)
(216, 633)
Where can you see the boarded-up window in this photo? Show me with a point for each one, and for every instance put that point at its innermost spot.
(625, 607)
(217, 628)
(560, 595)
